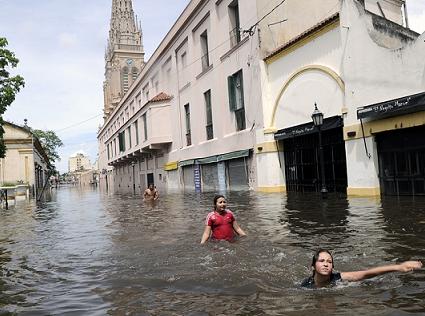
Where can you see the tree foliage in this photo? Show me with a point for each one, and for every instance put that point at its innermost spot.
(9, 86)
(50, 143)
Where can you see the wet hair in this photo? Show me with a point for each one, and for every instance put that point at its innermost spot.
(216, 199)
(316, 257)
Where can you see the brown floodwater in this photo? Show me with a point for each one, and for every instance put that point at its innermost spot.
(87, 253)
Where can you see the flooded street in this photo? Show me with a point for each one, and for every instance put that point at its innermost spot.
(85, 253)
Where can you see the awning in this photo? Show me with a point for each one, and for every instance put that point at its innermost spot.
(173, 165)
(308, 128)
(186, 162)
(234, 155)
(216, 158)
(409, 104)
(206, 160)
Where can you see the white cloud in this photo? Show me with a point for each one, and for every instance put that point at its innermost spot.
(416, 15)
(67, 40)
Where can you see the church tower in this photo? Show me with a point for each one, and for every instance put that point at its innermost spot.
(124, 57)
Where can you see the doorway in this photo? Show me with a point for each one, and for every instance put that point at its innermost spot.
(150, 178)
(302, 167)
(401, 155)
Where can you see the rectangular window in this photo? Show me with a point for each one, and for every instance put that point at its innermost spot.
(115, 148)
(107, 149)
(234, 34)
(145, 92)
(145, 126)
(121, 141)
(204, 51)
(236, 99)
(136, 129)
(187, 116)
(129, 136)
(208, 112)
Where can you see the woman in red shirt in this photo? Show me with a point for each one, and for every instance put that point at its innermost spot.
(221, 224)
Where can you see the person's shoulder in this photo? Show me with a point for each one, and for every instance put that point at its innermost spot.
(229, 212)
(336, 276)
(308, 283)
(210, 215)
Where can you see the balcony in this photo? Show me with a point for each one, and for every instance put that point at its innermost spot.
(158, 130)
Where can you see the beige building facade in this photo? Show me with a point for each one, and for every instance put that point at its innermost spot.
(79, 162)
(233, 111)
(25, 161)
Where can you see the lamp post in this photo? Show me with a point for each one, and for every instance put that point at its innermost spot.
(317, 118)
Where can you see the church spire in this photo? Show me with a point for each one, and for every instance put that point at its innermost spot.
(124, 56)
(124, 33)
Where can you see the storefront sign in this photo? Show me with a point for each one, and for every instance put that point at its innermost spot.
(308, 128)
(404, 105)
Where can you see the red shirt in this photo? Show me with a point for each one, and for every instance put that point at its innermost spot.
(221, 225)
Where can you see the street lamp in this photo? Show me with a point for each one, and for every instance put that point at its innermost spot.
(317, 118)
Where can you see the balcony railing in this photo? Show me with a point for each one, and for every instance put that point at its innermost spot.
(235, 36)
(210, 132)
(188, 139)
(240, 119)
(136, 48)
(205, 61)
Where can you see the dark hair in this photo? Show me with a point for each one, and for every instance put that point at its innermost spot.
(217, 197)
(316, 256)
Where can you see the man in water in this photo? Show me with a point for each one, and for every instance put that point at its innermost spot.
(151, 193)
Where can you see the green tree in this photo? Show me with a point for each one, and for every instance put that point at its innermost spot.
(9, 86)
(50, 143)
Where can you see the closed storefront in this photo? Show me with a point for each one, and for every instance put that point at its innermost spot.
(209, 177)
(301, 152)
(238, 174)
(402, 161)
(401, 152)
(188, 180)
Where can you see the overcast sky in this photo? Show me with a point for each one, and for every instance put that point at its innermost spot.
(61, 44)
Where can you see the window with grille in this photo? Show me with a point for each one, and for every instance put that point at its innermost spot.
(204, 50)
(188, 132)
(234, 34)
(208, 112)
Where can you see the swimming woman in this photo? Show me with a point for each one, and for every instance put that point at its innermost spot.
(221, 224)
(323, 274)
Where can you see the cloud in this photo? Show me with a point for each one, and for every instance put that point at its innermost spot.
(416, 15)
(67, 40)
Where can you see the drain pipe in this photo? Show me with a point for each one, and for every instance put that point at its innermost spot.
(406, 19)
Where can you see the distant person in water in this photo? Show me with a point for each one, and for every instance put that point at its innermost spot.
(323, 274)
(221, 224)
(151, 193)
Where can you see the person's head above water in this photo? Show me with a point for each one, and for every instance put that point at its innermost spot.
(322, 262)
(322, 265)
(219, 202)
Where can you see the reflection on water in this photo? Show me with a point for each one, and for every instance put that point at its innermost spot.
(92, 254)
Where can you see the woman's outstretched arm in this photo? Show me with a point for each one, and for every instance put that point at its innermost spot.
(370, 273)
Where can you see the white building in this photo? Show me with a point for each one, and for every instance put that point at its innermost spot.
(226, 99)
(366, 74)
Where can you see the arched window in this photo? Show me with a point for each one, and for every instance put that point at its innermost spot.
(134, 73)
(124, 76)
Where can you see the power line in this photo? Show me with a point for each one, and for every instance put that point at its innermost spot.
(79, 123)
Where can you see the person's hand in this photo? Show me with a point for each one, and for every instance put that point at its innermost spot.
(410, 266)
